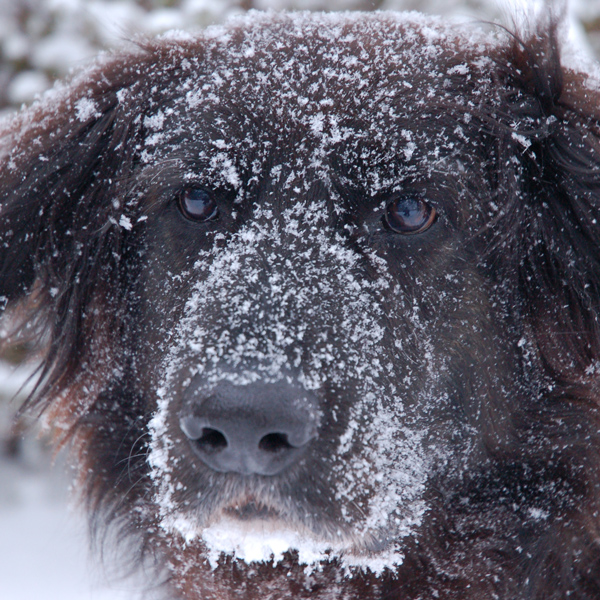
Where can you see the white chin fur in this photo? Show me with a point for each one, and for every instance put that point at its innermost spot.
(259, 541)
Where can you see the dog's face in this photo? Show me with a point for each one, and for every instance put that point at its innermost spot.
(311, 264)
(301, 274)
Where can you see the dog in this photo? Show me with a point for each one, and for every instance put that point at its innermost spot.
(318, 296)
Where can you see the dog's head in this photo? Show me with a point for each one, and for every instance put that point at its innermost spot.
(320, 290)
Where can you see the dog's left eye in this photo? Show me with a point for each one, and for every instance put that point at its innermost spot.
(198, 205)
(409, 213)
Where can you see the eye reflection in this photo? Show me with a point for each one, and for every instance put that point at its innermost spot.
(198, 205)
(409, 213)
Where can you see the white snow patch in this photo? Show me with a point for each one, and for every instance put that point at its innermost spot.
(260, 541)
(86, 109)
(125, 223)
(538, 514)
(524, 141)
(155, 122)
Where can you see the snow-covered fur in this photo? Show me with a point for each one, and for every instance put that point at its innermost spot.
(319, 298)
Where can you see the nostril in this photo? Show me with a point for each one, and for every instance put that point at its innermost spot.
(255, 429)
(211, 440)
(274, 443)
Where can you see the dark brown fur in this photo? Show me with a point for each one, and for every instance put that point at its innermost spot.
(506, 283)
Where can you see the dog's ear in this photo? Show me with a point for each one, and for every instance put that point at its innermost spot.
(65, 167)
(61, 164)
(548, 159)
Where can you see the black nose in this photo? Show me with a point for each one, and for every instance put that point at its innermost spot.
(260, 428)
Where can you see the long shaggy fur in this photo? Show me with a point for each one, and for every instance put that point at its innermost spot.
(96, 254)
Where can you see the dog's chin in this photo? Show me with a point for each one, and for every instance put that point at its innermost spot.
(257, 533)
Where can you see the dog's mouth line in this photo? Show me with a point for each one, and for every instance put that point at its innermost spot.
(251, 509)
(252, 519)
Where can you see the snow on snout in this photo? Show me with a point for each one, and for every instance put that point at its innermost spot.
(290, 304)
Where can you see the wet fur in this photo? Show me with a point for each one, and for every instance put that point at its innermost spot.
(84, 283)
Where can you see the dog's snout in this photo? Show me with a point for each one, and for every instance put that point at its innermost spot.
(259, 428)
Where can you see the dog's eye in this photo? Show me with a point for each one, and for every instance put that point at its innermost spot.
(198, 205)
(409, 213)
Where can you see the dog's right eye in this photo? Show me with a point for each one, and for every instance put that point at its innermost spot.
(198, 205)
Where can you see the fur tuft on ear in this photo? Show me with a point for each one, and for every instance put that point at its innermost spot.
(63, 228)
(548, 165)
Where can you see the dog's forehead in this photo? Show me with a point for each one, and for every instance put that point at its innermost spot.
(315, 81)
(314, 55)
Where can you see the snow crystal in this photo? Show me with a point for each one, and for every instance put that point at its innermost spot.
(125, 222)
(524, 141)
(86, 109)
(538, 514)
(155, 122)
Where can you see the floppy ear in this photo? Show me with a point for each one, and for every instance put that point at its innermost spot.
(548, 158)
(65, 164)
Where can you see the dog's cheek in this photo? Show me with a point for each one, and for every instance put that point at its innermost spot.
(467, 329)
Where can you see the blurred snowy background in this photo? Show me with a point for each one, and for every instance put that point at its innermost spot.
(44, 39)
(43, 549)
